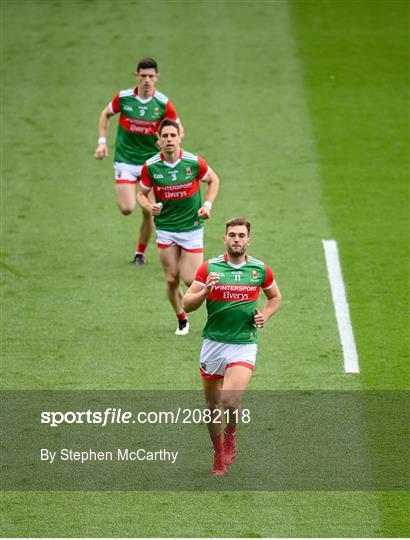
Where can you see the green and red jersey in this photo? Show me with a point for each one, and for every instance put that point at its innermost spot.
(138, 124)
(176, 186)
(232, 302)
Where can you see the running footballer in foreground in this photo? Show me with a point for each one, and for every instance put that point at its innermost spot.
(230, 284)
(174, 176)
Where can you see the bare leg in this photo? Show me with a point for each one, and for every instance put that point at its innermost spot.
(170, 260)
(147, 224)
(126, 200)
(213, 397)
(235, 383)
(189, 265)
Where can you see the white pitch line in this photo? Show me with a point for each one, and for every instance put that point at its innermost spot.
(350, 358)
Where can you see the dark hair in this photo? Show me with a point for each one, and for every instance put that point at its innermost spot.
(238, 221)
(146, 63)
(168, 122)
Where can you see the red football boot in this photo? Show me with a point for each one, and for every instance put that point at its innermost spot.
(219, 468)
(229, 449)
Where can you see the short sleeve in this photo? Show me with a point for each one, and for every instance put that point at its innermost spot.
(170, 112)
(201, 274)
(145, 181)
(203, 168)
(115, 104)
(269, 278)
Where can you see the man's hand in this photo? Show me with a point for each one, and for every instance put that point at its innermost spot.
(204, 212)
(259, 319)
(211, 280)
(156, 209)
(102, 151)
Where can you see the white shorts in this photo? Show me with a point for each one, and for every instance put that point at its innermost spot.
(216, 357)
(126, 173)
(192, 241)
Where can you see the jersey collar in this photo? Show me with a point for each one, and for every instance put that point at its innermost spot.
(167, 163)
(235, 265)
(140, 99)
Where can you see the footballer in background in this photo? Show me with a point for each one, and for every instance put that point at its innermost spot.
(174, 176)
(141, 111)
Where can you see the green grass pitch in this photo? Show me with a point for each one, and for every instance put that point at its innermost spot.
(301, 108)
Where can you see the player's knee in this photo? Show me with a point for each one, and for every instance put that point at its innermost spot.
(126, 208)
(172, 280)
(188, 280)
(213, 405)
(231, 401)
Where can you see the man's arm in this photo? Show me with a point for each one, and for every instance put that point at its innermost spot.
(212, 182)
(102, 148)
(145, 203)
(271, 306)
(196, 294)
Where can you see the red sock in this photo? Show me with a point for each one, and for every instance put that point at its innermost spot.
(182, 316)
(217, 442)
(230, 430)
(141, 249)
